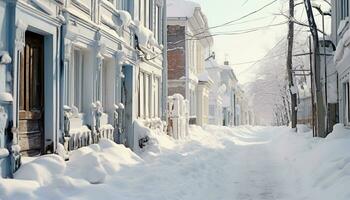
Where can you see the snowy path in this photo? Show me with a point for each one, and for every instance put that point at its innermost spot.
(259, 175)
(246, 163)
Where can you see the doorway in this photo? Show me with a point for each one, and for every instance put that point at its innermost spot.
(31, 95)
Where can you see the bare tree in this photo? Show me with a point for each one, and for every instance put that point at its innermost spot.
(292, 88)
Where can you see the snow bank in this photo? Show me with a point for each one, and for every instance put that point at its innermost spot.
(42, 170)
(91, 164)
(323, 165)
(95, 162)
(339, 131)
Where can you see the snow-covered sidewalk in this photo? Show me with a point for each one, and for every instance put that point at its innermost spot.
(213, 163)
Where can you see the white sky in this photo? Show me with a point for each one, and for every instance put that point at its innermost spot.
(252, 46)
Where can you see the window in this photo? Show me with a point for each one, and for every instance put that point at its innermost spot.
(147, 91)
(75, 80)
(156, 97)
(212, 111)
(192, 103)
(104, 84)
(141, 6)
(146, 12)
(147, 95)
(141, 95)
(155, 21)
(344, 9)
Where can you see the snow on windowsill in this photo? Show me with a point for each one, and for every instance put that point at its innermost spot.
(6, 97)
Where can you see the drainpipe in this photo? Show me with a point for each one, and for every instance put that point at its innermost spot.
(165, 65)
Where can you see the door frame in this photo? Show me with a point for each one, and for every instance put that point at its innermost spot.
(23, 65)
(51, 74)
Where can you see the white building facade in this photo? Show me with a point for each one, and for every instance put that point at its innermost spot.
(75, 71)
(340, 36)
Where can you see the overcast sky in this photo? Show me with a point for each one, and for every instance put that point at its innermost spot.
(251, 46)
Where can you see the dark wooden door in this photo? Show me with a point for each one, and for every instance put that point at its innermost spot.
(31, 96)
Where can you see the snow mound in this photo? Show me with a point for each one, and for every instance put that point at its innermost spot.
(95, 162)
(42, 169)
(89, 164)
(88, 167)
(339, 131)
(17, 189)
(323, 164)
(302, 128)
(156, 140)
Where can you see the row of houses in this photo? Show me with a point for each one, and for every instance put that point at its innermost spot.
(212, 89)
(75, 71)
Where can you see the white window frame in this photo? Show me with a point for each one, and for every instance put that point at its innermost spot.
(146, 96)
(104, 83)
(141, 95)
(156, 96)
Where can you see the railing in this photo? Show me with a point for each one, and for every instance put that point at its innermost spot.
(83, 135)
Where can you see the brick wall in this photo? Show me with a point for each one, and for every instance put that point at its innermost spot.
(176, 52)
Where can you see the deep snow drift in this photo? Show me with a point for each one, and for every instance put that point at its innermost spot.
(212, 163)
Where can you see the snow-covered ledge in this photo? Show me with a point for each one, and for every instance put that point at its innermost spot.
(5, 59)
(145, 36)
(3, 122)
(4, 153)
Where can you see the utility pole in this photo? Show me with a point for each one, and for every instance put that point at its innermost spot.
(320, 107)
(314, 130)
(292, 88)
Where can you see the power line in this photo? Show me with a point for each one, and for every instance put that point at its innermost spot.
(235, 20)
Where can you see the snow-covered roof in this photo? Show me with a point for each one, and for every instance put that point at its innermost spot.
(181, 8)
(212, 63)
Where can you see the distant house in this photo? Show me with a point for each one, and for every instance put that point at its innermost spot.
(75, 71)
(223, 105)
(189, 43)
(231, 108)
(216, 92)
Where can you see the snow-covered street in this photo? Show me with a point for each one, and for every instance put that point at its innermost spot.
(212, 163)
